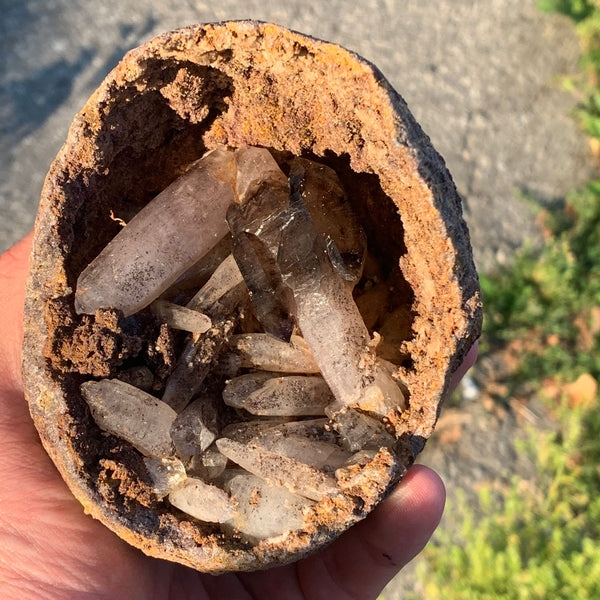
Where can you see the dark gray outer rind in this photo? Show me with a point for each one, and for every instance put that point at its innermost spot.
(285, 91)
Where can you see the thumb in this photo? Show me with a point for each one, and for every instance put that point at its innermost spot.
(361, 562)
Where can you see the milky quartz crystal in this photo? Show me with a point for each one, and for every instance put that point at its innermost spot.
(279, 470)
(166, 474)
(153, 250)
(282, 396)
(225, 278)
(196, 427)
(261, 351)
(131, 414)
(202, 500)
(264, 510)
(180, 317)
(250, 286)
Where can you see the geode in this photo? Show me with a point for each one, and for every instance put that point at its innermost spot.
(167, 104)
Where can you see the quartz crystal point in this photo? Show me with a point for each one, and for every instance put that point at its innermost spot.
(225, 277)
(333, 217)
(180, 317)
(129, 413)
(357, 431)
(195, 428)
(316, 453)
(163, 240)
(199, 356)
(270, 298)
(209, 465)
(218, 297)
(325, 310)
(262, 510)
(244, 431)
(166, 474)
(263, 351)
(239, 388)
(292, 395)
(329, 318)
(279, 470)
(247, 430)
(202, 501)
(256, 228)
(255, 167)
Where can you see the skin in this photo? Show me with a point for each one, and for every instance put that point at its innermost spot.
(50, 549)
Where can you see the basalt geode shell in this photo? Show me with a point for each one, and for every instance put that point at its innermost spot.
(160, 109)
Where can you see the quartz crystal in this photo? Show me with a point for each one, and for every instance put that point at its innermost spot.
(263, 510)
(247, 430)
(239, 388)
(292, 395)
(316, 453)
(279, 470)
(333, 217)
(263, 351)
(199, 273)
(200, 355)
(357, 430)
(154, 249)
(270, 298)
(180, 317)
(329, 318)
(256, 228)
(195, 428)
(208, 465)
(255, 166)
(129, 413)
(202, 501)
(166, 474)
(224, 279)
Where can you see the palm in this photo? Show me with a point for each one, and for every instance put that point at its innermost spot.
(50, 548)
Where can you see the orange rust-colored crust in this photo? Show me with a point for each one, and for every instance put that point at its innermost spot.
(161, 108)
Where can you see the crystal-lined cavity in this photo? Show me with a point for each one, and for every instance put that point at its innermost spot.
(276, 395)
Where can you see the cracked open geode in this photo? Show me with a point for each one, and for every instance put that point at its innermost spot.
(168, 103)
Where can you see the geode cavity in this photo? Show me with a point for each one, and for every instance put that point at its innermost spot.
(162, 108)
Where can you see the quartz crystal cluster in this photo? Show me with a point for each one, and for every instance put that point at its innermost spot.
(278, 386)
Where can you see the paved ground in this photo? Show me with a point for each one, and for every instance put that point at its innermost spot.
(481, 77)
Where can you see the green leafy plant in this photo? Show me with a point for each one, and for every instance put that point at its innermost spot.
(538, 539)
(541, 539)
(550, 297)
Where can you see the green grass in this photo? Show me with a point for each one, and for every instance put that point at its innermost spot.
(537, 540)
(541, 539)
(549, 297)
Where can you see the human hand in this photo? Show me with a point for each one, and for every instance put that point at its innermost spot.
(50, 549)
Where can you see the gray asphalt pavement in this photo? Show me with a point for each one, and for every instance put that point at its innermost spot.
(480, 75)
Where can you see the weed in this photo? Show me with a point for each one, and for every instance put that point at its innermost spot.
(540, 539)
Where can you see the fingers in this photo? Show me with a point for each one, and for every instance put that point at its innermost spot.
(14, 266)
(363, 560)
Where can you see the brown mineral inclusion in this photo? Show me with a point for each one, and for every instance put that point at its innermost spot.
(160, 109)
